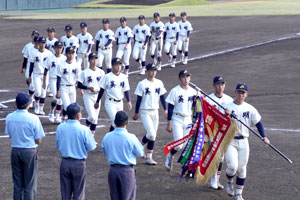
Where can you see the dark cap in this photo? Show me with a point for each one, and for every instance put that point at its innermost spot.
(151, 66)
(58, 44)
(68, 27)
(73, 109)
(92, 56)
(172, 15)
(51, 29)
(141, 17)
(105, 21)
(156, 14)
(219, 79)
(22, 99)
(242, 87)
(121, 118)
(41, 39)
(83, 24)
(183, 72)
(70, 50)
(183, 14)
(35, 39)
(35, 33)
(123, 19)
(116, 60)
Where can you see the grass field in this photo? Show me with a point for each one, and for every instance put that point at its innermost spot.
(192, 7)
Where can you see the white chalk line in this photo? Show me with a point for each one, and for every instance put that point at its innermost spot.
(4, 90)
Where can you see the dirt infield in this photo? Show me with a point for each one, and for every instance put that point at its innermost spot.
(271, 72)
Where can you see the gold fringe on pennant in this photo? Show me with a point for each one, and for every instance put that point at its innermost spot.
(203, 179)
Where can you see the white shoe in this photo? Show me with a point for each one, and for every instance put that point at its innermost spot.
(213, 183)
(37, 110)
(150, 161)
(169, 162)
(50, 94)
(57, 120)
(158, 67)
(51, 117)
(238, 197)
(169, 58)
(220, 186)
(230, 188)
(173, 64)
(41, 112)
(142, 72)
(185, 61)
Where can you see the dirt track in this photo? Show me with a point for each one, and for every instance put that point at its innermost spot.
(271, 72)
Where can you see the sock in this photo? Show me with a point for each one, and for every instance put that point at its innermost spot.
(152, 56)
(240, 182)
(111, 128)
(143, 63)
(180, 51)
(93, 128)
(64, 113)
(53, 104)
(186, 54)
(150, 146)
(174, 57)
(127, 67)
(145, 140)
(159, 59)
(137, 60)
(87, 122)
(173, 152)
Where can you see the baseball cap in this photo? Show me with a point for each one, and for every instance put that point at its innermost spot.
(73, 109)
(52, 29)
(22, 99)
(151, 66)
(68, 27)
(184, 72)
(242, 87)
(156, 14)
(83, 24)
(116, 61)
(35, 33)
(172, 15)
(121, 118)
(35, 39)
(219, 79)
(105, 21)
(41, 39)
(58, 44)
(92, 56)
(141, 17)
(70, 50)
(123, 19)
(183, 14)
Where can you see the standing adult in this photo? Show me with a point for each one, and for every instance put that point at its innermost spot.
(121, 148)
(73, 141)
(51, 39)
(85, 45)
(69, 40)
(26, 132)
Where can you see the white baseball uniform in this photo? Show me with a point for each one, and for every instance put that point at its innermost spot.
(50, 44)
(184, 28)
(171, 33)
(225, 99)
(150, 93)
(68, 74)
(91, 78)
(70, 42)
(157, 31)
(27, 52)
(182, 112)
(123, 35)
(140, 35)
(84, 42)
(103, 37)
(114, 87)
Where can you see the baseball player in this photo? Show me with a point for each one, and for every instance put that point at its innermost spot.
(67, 75)
(180, 100)
(27, 51)
(69, 40)
(184, 38)
(123, 37)
(171, 35)
(157, 29)
(52, 64)
(141, 33)
(104, 39)
(219, 84)
(50, 40)
(149, 91)
(115, 85)
(89, 80)
(237, 154)
(85, 45)
(36, 74)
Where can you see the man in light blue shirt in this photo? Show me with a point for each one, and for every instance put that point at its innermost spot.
(121, 149)
(26, 132)
(73, 141)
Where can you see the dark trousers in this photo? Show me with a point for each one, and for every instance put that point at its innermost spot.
(122, 183)
(72, 179)
(24, 165)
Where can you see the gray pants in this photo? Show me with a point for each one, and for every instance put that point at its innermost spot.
(122, 183)
(72, 179)
(24, 165)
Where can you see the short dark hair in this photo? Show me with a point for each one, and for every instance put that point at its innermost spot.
(121, 118)
(23, 106)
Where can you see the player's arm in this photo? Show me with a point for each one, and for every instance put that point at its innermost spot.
(127, 95)
(163, 103)
(30, 71)
(24, 65)
(58, 79)
(261, 130)
(100, 94)
(170, 113)
(177, 36)
(82, 86)
(45, 78)
(165, 35)
(137, 107)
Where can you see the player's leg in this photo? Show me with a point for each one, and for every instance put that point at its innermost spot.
(86, 63)
(152, 50)
(179, 47)
(136, 53)
(30, 86)
(80, 59)
(43, 96)
(186, 51)
(52, 85)
(174, 53)
(108, 58)
(231, 157)
(159, 53)
(91, 111)
(127, 53)
(143, 53)
(65, 97)
(72, 94)
(100, 59)
(111, 110)
(37, 92)
(167, 50)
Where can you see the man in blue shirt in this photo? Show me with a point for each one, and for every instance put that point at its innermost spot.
(26, 132)
(121, 149)
(73, 140)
